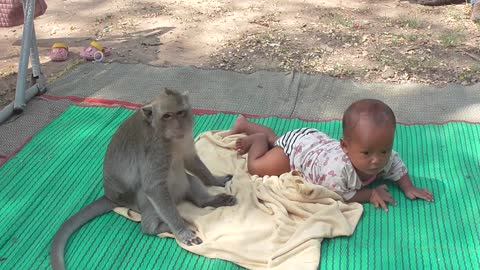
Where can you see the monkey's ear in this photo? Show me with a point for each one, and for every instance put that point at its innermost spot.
(147, 112)
(185, 96)
(169, 91)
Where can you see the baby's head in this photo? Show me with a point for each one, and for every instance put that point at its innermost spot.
(368, 133)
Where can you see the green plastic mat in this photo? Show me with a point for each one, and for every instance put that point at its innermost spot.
(60, 171)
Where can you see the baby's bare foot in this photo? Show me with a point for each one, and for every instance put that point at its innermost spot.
(242, 145)
(238, 126)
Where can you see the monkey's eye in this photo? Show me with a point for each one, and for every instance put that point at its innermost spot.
(181, 113)
(167, 116)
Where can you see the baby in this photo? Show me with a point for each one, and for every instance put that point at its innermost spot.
(347, 166)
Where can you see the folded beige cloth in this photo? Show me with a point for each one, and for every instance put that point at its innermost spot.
(278, 222)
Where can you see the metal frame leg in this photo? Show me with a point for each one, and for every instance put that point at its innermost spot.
(29, 47)
(29, 11)
(35, 60)
(37, 75)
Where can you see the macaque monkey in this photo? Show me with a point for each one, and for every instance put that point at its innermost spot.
(145, 170)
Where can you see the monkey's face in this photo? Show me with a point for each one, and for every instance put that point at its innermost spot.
(177, 124)
(170, 115)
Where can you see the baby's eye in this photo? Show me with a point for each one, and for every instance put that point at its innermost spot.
(365, 153)
(386, 152)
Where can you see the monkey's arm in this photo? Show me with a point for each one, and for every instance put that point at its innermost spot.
(160, 199)
(164, 206)
(194, 165)
(199, 195)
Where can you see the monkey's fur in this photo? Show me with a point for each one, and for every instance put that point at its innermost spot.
(144, 170)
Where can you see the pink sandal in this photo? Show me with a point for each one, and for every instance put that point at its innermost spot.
(95, 52)
(59, 52)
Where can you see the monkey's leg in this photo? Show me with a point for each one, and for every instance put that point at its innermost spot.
(151, 223)
(194, 165)
(199, 195)
(164, 206)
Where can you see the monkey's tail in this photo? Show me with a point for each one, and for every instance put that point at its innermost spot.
(97, 208)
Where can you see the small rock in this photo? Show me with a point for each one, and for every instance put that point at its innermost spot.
(326, 48)
(388, 73)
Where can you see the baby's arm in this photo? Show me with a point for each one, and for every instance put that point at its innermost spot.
(348, 186)
(406, 185)
(378, 196)
(398, 172)
(361, 196)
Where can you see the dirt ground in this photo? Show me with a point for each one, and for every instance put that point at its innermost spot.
(368, 41)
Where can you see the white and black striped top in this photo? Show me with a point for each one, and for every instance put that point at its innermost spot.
(290, 138)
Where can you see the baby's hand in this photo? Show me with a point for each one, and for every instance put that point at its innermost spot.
(415, 193)
(380, 197)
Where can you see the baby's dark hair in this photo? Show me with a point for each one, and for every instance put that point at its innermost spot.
(377, 111)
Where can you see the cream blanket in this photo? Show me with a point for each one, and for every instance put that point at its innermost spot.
(278, 222)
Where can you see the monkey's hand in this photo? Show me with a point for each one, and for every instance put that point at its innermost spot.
(195, 166)
(221, 181)
(188, 237)
(222, 199)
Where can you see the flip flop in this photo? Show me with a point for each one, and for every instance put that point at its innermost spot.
(95, 52)
(59, 52)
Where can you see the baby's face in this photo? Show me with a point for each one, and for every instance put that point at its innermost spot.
(369, 147)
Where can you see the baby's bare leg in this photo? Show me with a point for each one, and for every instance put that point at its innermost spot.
(242, 125)
(262, 159)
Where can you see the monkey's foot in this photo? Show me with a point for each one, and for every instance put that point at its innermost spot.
(222, 199)
(238, 126)
(188, 237)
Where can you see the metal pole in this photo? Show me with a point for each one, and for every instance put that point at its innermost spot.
(29, 11)
(8, 110)
(37, 75)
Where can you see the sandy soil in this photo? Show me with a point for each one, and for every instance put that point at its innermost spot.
(368, 41)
